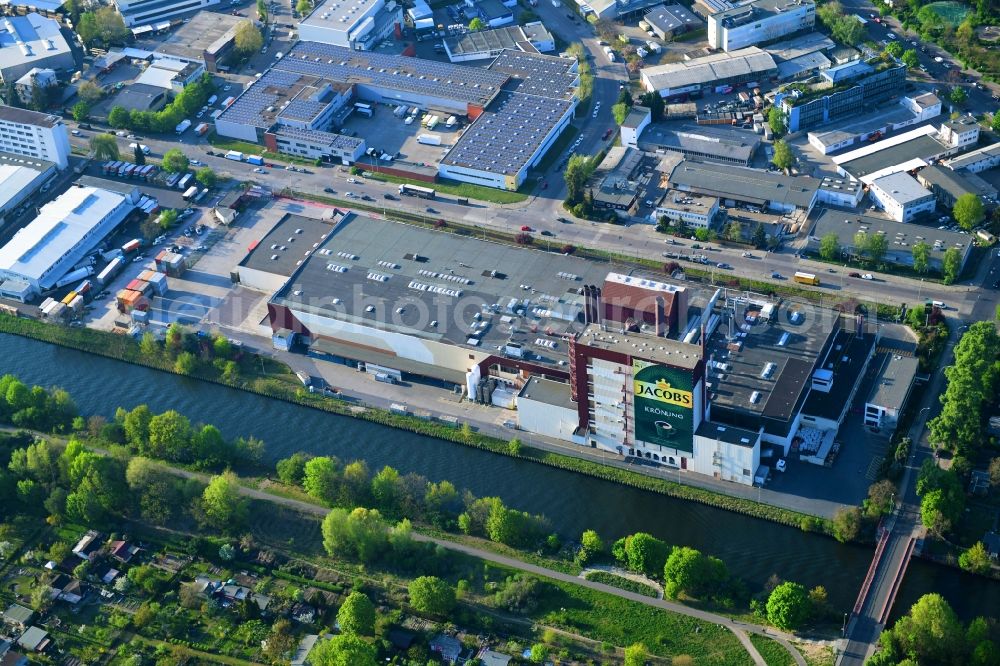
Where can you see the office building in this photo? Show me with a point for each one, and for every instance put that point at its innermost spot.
(901, 196)
(140, 13)
(33, 134)
(804, 111)
(64, 232)
(902, 236)
(35, 79)
(759, 21)
(358, 24)
(906, 151)
(32, 42)
(746, 67)
(961, 132)
(687, 208)
(170, 74)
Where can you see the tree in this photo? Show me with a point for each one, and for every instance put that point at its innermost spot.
(911, 59)
(431, 595)
(995, 472)
(224, 506)
(476, 24)
(591, 546)
(968, 211)
(951, 265)
(878, 245)
(102, 27)
(829, 246)
(620, 112)
(80, 111)
(776, 121)
(539, 653)
(645, 553)
(291, 470)
(303, 7)
(104, 147)
(921, 256)
(576, 173)
(847, 524)
(89, 92)
(248, 39)
(894, 49)
(783, 157)
(138, 156)
(881, 497)
(734, 231)
(975, 559)
(169, 436)
(788, 606)
(635, 655)
(931, 631)
(344, 650)
(387, 490)
(262, 10)
(759, 238)
(688, 570)
(361, 533)
(357, 615)
(995, 121)
(958, 95)
(206, 177)
(118, 117)
(175, 161)
(320, 477)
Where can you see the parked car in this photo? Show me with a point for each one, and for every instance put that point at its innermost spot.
(867, 276)
(525, 227)
(855, 274)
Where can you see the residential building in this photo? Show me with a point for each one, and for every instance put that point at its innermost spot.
(693, 210)
(847, 224)
(447, 647)
(759, 21)
(359, 25)
(32, 42)
(669, 21)
(531, 38)
(39, 135)
(18, 617)
(888, 395)
(901, 196)
(61, 235)
(983, 159)
(961, 132)
(35, 79)
(88, 545)
(151, 12)
(947, 185)
(746, 67)
(822, 106)
(34, 639)
(489, 657)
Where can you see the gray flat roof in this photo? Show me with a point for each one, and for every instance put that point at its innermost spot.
(846, 360)
(755, 10)
(550, 392)
(775, 359)
(715, 67)
(841, 131)
(441, 280)
(139, 96)
(965, 160)
(668, 18)
(893, 381)
(849, 70)
(804, 63)
(800, 46)
(721, 142)
(337, 14)
(921, 147)
(505, 137)
(642, 345)
(902, 235)
(26, 117)
(190, 40)
(281, 250)
(731, 182)
(902, 187)
(729, 434)
(956, 183)
(488, 41)
(30, 39)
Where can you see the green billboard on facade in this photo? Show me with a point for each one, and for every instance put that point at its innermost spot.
(664, 406)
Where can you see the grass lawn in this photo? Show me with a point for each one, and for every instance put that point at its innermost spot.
(455, 188)
(816, 655)
(621, 583)
(605, 617)
(951, 12)
(773, 652)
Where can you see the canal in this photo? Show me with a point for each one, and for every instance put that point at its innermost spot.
(753, 549)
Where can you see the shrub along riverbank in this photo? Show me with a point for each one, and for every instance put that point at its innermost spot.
(277, 381)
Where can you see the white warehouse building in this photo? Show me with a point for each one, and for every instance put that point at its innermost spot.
(759, 21)
(29, 42)
(58, 239)
(354, 24)
(901, 196)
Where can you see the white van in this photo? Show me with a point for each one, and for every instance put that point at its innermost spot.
(939, 304)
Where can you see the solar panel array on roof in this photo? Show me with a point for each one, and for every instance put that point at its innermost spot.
(507, 134)
(536, 74)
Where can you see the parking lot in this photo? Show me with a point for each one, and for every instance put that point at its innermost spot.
(392, 135)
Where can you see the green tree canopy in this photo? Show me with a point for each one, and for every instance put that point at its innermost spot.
(958, 95)
(975, 559)
(578, 170)
(224, 506)
(847, 524)
(104, 147)
(360, 533)
(175, 161)
(689, 571)
(620, 112)
(206, 177)
(968, 211)
(344, 650)
(320, 478)
(776, 121)
(431, 595)
(477, 24)
(829, 246)
(911, 59)
(248, 39)
(921, 256)
(788, 606)
(951, 265)
(357, 615)
(291, 470)
(783, 157)
(646, 554)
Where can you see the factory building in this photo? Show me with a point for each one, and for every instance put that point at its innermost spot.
(207, 39)
(669, 21)
(901, 196)
(874, 125)
(976, 161)
(484, 44)
(32, 42)
(58, 239)
(358, 25)
(39, 135)
(947, 185)
(21, 178)
(744, 67)
(742, 186)
(702, 381)
(759, 21)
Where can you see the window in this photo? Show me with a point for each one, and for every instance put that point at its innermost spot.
(746, 472)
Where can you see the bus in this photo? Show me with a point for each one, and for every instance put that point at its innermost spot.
(416, 191)
(806, 278)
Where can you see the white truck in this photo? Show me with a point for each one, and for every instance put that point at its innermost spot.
(429, 139)
(234, 155)
(182, 126)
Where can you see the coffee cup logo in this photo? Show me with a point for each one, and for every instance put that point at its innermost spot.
(664, 429)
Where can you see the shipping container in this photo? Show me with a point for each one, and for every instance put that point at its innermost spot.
(255, 159)
(159, 283)
(185, 181)
(201, 129)
(68, 298)
(75, 276)
(84, 287)
(429, 139)
(128, 300)
(76, 305)
(190, 193)
(132, 246)
(58, 311)
(172, 179)
(144, 275)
